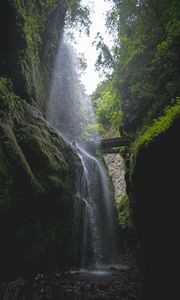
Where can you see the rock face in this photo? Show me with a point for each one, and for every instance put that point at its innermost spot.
(155, 205)
(116, 170)
(37, 168)
(30, 32)
(37, 187)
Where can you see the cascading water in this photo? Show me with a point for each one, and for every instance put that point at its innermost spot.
(70, 112)
(69, 109)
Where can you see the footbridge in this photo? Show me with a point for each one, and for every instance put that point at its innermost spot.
(107, 144)
(110, 145)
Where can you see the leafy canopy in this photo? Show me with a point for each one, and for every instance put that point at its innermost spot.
(145, 59)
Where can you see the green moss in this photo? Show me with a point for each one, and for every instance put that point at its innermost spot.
(123, 213)
(158, 127)
(11, 155)
(6, 184)
(30, 40)
(37, 21)
(37, 184)
(7, 98)
(37, 168)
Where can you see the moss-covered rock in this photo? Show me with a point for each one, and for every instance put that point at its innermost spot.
(153, 189)
(142, 143)
(158, 127)
(30, 32)
(37, 187)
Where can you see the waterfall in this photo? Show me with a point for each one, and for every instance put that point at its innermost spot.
(70, 112)
(69, 109)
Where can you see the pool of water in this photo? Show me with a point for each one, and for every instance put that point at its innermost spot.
(101, 270)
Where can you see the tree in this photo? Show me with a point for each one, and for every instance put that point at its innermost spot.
(145, 58)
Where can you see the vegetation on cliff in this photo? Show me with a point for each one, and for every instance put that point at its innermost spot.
(30, 36)
(37, 188)
(144, 63)
(145, 76)
(158, 127)
(107, 105)
(140, 96)
(37, 167)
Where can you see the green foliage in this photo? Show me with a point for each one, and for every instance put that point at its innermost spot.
(7, 98)
(105, 58)
(31, 24)
(123, 213)
(77, 15)
(159, 126)
(146, 58)
(107, 105)
(35, 28)
(90, 130)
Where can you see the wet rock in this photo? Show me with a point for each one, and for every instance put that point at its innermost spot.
(125, 285)
(115, 165)
(37, 179)
(113, 269)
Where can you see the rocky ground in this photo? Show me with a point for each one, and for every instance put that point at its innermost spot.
(122, 282)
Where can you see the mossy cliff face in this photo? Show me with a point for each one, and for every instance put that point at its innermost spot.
(37, 189)
(153, 187)
(30, 32)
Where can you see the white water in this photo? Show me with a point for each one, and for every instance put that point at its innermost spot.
(104, 270)
(70, 112)
(69, 109)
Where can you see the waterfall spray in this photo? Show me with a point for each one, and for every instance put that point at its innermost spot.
(70, 112)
